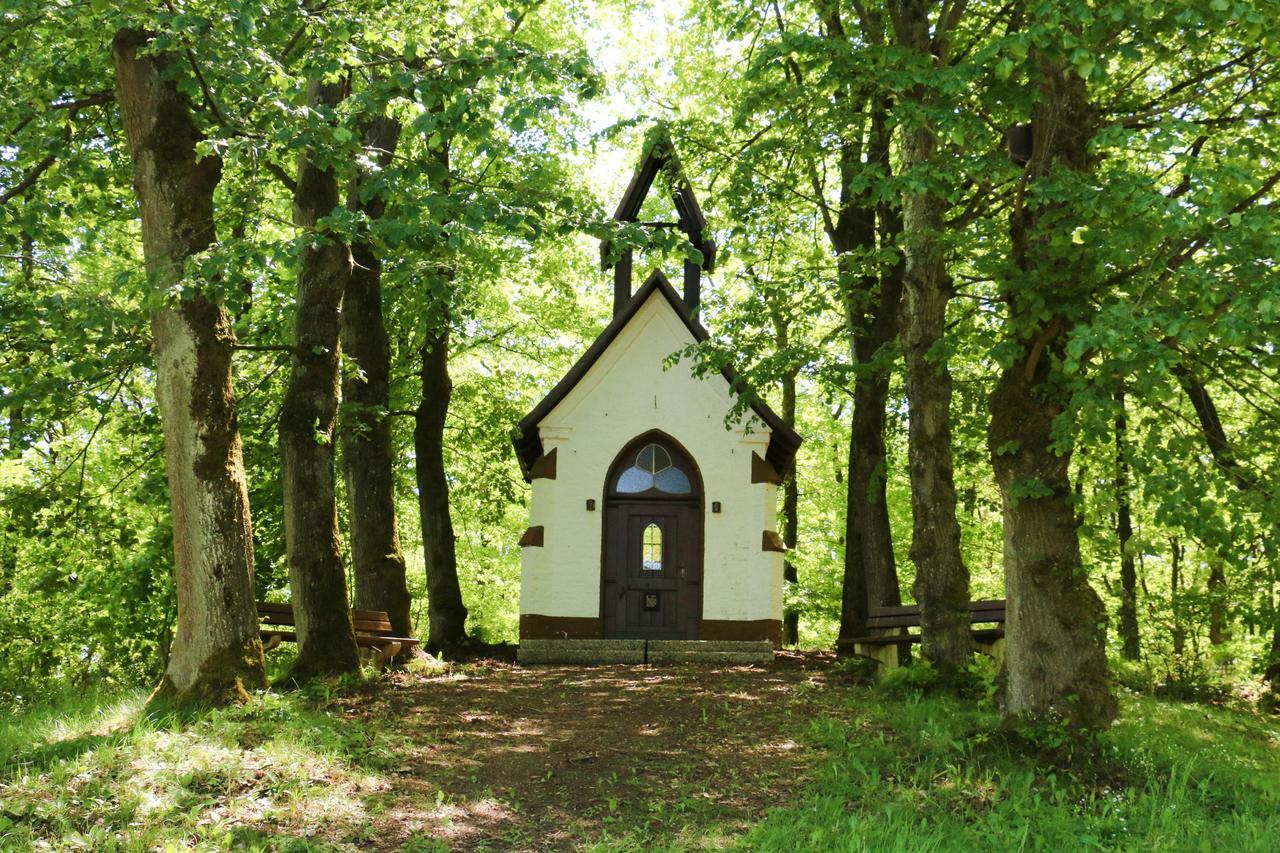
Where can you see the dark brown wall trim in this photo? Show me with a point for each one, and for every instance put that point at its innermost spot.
(536, 627)
(532, 537)
(733, 629)
(544, 467)
(771, 541)
(762, 471)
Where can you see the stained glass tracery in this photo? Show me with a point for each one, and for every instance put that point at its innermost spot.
(653, 469)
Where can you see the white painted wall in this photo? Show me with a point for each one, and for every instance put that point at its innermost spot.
(627, 393)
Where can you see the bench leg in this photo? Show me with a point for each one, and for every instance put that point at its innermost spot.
(385, 654)
(885, 655)
(272, 641)
(994, 650)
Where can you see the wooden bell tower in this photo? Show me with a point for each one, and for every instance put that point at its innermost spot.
(660, 160)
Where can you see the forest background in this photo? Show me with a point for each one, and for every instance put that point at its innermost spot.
(1165, 366)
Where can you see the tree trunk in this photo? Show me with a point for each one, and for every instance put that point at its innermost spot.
(446, 613)
(1130, 646)
(1271, 675)
(1055, 657)
(872, 303)
(1175, 595)
(790, 487)
(368, 456)
(326, 641)
(1218, 633)
(217, 652)
(790, 516)
(941, 586)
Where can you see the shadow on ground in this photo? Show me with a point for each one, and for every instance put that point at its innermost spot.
(556, 756)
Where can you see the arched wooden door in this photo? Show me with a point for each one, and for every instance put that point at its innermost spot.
(652, 543)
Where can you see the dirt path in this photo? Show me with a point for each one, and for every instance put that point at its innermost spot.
(504, 757)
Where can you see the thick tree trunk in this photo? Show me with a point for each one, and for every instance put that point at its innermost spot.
(1055, 657)
(445, 610)
(326, 641)
(217, 652)
(1130, 647)
(368, 457)
(941, 586)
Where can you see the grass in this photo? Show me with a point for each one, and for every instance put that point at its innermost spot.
(324, 769)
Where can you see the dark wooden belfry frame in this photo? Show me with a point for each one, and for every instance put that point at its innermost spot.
(660, 158)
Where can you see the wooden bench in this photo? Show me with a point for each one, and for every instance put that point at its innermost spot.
(893, 621)
(372, 627)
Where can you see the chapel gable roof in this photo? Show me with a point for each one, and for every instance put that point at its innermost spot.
(783, 442)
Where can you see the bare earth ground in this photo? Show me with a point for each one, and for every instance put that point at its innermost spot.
(506, 757)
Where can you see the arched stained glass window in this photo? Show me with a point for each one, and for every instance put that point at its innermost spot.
(651, 556)
(653, 469)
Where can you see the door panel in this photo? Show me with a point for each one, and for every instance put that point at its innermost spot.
(653, 570)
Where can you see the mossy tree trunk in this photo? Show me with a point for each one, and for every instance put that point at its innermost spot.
(1055, 657)
(941, 585)
(216, 652)
(326, 640)
(377, 561)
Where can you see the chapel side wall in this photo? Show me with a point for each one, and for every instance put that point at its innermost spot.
(626, 394)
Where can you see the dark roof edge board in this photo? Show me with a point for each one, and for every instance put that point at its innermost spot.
(783, 442)
(660, 151)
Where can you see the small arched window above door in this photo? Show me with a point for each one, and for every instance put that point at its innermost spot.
(653, 469)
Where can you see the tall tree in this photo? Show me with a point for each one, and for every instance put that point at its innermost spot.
(446, 611)
(1055, 658)
(216, 651)
(368, 456)
(1130, 645)
(942, 580)
(326, 639)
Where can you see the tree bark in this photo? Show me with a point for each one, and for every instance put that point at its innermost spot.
(790, 515)
(326, 641)
(790, 488)
(872, 304)
(217, 652)
(941, 586)
(368, 456)
(1175, 595)
(1218, 633)
(1130, 646)
(446, 612)
(1055, 658)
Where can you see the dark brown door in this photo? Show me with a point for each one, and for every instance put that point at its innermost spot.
(653, 571)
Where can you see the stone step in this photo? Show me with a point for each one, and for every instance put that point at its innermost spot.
(723, 652)
(699, 646)
(585, 645)
(710, 657)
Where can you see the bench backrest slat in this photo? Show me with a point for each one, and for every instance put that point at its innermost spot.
(908, 615)
(367, 622)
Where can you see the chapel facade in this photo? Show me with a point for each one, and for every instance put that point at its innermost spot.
(652, 525)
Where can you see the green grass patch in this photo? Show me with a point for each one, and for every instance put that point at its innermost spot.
(892, 767)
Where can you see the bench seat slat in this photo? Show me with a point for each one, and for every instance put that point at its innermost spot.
(894, 639)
